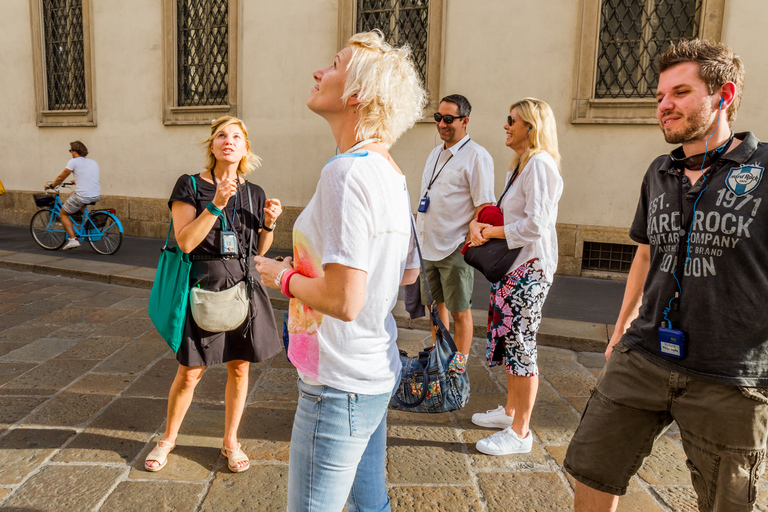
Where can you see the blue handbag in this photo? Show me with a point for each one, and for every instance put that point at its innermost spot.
(427, 383)
(169, 298)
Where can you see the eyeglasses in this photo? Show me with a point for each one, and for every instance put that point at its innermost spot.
(449, 119)
(509, 120)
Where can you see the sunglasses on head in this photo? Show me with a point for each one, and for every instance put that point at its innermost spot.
(447, 118)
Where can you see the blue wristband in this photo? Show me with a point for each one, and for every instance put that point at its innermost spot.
(214, 209)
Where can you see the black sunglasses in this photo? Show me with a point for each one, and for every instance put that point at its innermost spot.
(509, 120)
(447, 118)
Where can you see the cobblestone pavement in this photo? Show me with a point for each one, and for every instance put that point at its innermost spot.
(84, 379)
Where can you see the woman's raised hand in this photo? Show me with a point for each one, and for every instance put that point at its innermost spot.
(272, 211)
(224, 190)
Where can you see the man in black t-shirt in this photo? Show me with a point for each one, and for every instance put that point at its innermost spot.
(691, 340)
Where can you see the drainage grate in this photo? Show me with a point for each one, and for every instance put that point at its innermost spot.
(611, 257)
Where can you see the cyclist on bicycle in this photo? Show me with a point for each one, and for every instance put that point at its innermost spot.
(87, 188)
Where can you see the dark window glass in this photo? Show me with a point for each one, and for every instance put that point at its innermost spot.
(611, 257)
(401, 22)
(633, 33)
(203, 58)
(64, 54)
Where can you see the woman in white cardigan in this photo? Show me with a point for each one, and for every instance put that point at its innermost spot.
(529, 204)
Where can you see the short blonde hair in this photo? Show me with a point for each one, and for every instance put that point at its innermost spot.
(387, 85)
(248, 163)
(543, 134)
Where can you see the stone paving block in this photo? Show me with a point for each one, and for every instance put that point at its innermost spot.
(280, 361)
(130, 327)
(132, 415)
(7, 308)
(413, 340)
(26, 333)
(188, 462)
(95, 347)
(429, 499)
(591, 360)
(40, 350)
(480, 402)
(426, 455)
(132, 358)
(97, 384)
(47, 378)
(677, 498)
(259, 488)
(107, 315)
(156, 382)
(546, 393)
(524, 492)
(152, 496)
(13, 409)
(265, 431)
(554, 422)
(5, 348)
(535, 460)
(568, 377)
(571, 334)
(99, 446)
(67, 409)
(22, 450)
(411, 418)
(132, 303)
(481, 381)
(64, 488)
(9, 371)
(578, 402)
(665, 465)
(277, 384)
(4, 492)
(67, 315)
(80, 330)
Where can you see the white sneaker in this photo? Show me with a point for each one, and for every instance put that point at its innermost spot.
(495, 418)
(505, 442)
(71, 244)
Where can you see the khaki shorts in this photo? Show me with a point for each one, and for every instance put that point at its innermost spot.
(450, 281)
(74, 203)
(723, 430)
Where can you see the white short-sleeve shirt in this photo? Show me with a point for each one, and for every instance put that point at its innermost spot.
(359, 217)
(464, 183)
(86, 173)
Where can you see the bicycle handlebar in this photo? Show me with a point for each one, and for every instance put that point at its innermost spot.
(55, 190)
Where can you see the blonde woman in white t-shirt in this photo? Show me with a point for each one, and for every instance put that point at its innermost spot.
(529, 205)
(352, 248)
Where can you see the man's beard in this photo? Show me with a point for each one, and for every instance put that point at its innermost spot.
(696, 126)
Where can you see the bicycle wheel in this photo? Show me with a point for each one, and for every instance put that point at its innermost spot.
(47, 230)
(103, 233)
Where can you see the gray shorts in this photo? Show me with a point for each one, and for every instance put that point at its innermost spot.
(73, 204)
(723, 430)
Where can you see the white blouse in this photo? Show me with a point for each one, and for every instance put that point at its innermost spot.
(530, 213)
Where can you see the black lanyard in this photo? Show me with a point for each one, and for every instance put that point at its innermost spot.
(434, 177)
(509, 184)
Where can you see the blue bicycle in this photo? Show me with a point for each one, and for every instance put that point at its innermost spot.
(101, 228)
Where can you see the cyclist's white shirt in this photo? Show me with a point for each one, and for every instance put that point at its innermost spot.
(86, 173)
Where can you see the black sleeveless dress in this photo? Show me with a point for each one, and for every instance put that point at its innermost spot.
(254, 340)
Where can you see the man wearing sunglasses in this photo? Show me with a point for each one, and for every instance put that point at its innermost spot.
(457, 184)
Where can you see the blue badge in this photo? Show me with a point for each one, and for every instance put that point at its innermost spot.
(744, 179)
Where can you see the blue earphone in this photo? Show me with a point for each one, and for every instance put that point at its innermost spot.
(721, 102)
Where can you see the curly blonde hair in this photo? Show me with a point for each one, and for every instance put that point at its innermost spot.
(248, 163)
(543, 134)
(387, 85)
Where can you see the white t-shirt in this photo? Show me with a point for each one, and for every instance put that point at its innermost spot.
(530, 212)
(465, 183)
(86, 173)
(358, 217)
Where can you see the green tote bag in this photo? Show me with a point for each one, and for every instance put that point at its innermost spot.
(169, 298)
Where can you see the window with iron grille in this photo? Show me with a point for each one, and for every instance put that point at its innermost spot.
(610, 257)
(402, 22)
(64, 54)
(419, 23)
(620, 44)
(202, 48)
(633, 34)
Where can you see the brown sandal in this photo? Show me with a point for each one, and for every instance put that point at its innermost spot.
(159, 454)
(235, 457)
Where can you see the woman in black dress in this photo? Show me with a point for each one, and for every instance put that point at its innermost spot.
(202, 206)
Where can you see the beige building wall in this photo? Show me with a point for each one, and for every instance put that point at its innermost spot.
(495, 52)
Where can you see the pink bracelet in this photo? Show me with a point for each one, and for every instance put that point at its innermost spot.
(285, 283)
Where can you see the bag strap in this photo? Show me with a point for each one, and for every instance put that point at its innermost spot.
(170, 227)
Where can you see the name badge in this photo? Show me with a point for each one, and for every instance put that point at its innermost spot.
(424, 204)
(672, 342)
(228, 243)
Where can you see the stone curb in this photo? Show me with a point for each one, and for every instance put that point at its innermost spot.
(568, 334)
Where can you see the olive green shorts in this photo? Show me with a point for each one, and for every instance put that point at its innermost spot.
(450, 281)
(723, 430)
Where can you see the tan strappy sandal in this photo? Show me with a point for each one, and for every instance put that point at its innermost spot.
(159, 454)
(235, 457)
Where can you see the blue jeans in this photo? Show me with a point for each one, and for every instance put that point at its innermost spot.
(338, 451)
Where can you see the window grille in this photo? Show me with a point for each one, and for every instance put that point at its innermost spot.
(611, 257)
(202, 47)
(401, 22)
(64, 54)
(633, 34)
